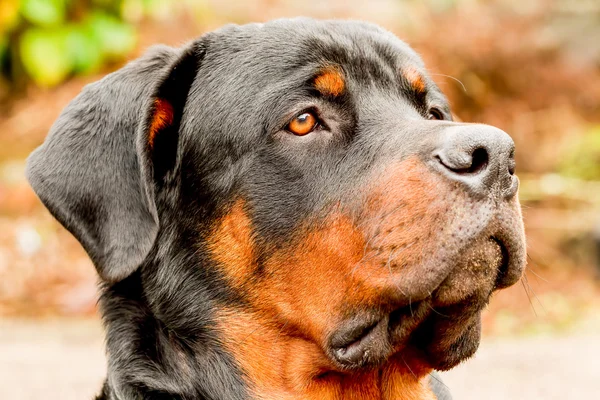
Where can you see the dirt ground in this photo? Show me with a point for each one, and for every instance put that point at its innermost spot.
(64, 359)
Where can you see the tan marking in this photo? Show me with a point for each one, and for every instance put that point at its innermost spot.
(232, 246)
(415, 79)
(407, 379)
(280, 366)
(298, 300)
(161, 118)
(330, 81)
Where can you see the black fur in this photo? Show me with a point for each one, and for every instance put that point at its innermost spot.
(142, 212)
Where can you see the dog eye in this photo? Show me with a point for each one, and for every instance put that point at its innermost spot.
(435, 113)
(303, 124)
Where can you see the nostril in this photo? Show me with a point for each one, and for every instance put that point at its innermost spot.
(476, 163)
(480, 161)
(511, 163)
(479, 157)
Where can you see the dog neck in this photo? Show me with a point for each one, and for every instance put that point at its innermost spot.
(241, 355)
(148, 358)
(277, 365)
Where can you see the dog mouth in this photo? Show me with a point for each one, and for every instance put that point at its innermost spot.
(368, 341)
(443, 337)
(503, 268)
(443, 333)
(361, 343)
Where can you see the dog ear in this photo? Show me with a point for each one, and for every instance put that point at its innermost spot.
(99, 168)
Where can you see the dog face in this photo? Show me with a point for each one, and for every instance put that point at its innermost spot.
(299, 190)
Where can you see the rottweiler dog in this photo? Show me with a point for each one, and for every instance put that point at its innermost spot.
(283, 211)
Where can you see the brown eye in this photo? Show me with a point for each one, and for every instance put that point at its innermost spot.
(303, 124)
(435, 113)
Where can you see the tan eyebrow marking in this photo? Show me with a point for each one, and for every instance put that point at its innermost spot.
(330, 81)
(415, 79)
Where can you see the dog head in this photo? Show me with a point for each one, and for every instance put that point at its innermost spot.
(300, 179)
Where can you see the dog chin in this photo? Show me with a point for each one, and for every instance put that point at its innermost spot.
(443, 345)
(437, 339)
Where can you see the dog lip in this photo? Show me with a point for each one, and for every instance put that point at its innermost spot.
(502, 279)
(360, 342)
(369, 340)
(350, 350)
(445, 340)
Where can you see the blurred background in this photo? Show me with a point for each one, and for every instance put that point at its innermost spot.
(531, 68)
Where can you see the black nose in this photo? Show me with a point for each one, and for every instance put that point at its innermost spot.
(479, 156)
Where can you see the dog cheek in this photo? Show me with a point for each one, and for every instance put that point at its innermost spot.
(312, 280)
(340, 263)
(406, 213)
(232, 247)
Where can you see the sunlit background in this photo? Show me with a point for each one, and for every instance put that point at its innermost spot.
(531, 68)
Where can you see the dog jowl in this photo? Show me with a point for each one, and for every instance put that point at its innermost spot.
(283, 211)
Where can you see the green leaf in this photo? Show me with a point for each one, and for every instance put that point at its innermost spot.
(45, 56)
(132, 10)
(106, 3)
(84, 50)
(3, 48)
(9, 15)
(116, 38)
(582, 159)
(44, 12)
(158, 9)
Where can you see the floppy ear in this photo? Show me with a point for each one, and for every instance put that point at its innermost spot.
(98, 169)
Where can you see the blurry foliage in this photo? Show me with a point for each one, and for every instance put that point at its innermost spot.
(47, 41)
(530, 67)
(582, 160)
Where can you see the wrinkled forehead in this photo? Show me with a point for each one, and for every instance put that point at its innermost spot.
(256, 77)
(256, 73)
(298, 49)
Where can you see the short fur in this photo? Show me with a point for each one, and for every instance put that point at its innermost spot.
(240, 261)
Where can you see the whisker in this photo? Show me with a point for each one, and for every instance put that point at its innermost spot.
(391, 276)
(436, 311)
(531, 269)
(537, 275)
(248, 335)
(451, 77)
(393, 253)
(389, 261)
(282, 328)
(533, 292)
(413, 374)
(439, 380)
(363, 258)
(381, 216)
(541, 261)
(529, 298)
(407, 366)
